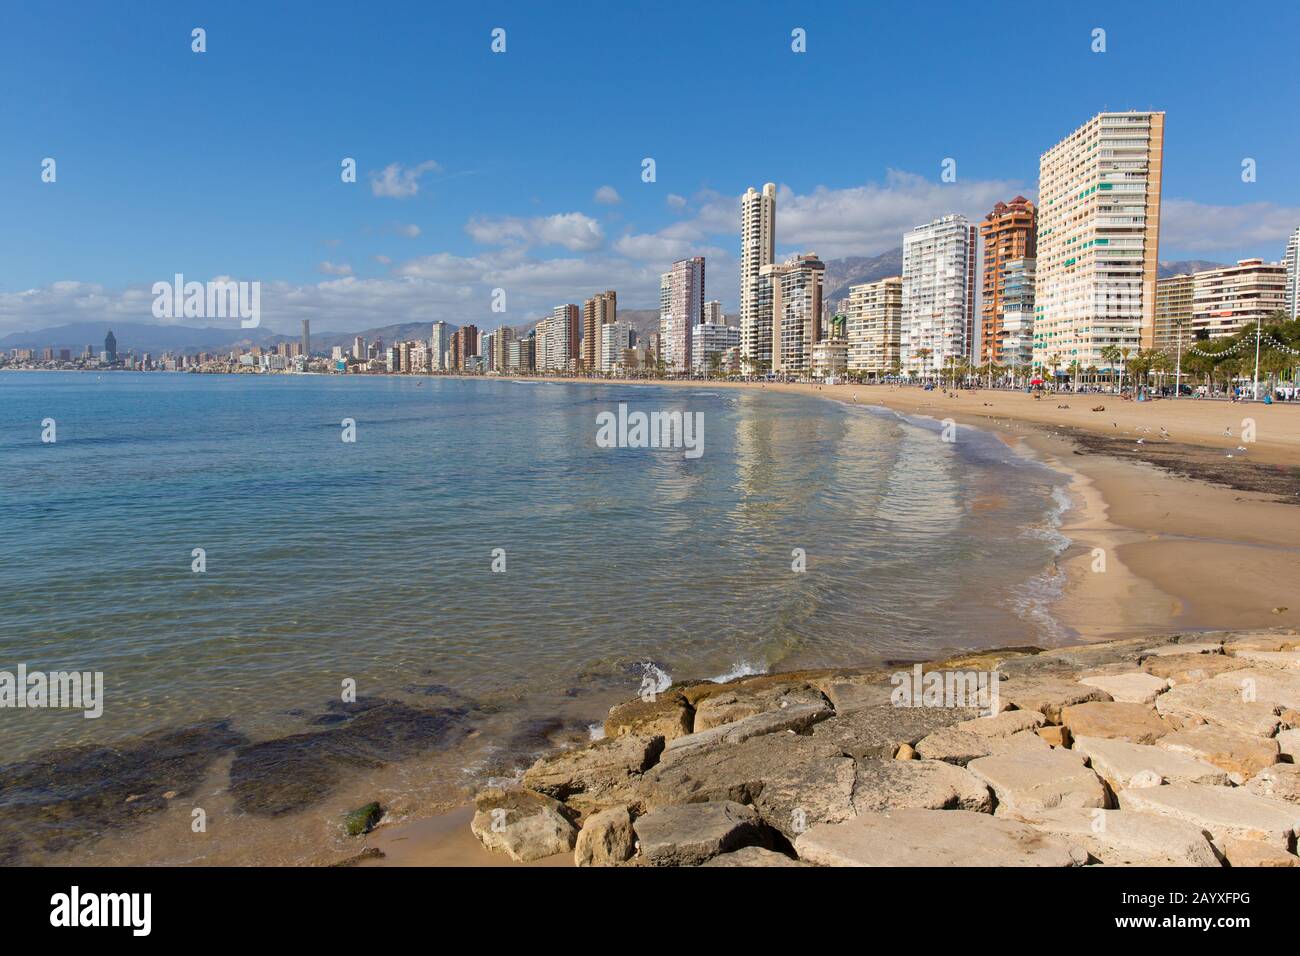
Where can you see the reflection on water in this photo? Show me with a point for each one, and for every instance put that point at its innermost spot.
(372, 561)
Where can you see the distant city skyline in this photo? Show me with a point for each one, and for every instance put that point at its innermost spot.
(496, 193)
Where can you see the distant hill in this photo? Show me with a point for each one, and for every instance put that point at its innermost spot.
(854, 270)
(1180, 267)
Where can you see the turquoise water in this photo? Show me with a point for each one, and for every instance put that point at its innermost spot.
(371, 561)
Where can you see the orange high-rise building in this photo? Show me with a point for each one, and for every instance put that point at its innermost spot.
(1010, 234)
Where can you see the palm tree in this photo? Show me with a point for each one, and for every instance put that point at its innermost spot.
(1111, 354)
(1054, 363)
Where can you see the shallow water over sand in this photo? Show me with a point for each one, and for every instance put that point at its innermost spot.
(372, 562)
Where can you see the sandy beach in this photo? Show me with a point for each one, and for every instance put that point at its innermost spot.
(1179, 529)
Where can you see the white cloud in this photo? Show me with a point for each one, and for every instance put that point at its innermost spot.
(409, 230)
(1188, 227)
(574, 231)
(397, 182)
(334, 268)
(608, 195)
(676, 202)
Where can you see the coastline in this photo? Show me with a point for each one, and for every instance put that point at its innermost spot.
(1180, 554)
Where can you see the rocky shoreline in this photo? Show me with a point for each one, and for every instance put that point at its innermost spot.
(1169, 750)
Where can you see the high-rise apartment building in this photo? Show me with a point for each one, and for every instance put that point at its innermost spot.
(712, 314)
(1098, 239)
(681, 306)
(1291, 261)
(439, 343)
(359, 348)
(1173, 312)
(597, 312)
(1226, 300)
(615, 338)
(1008, 234)
(464, 346)
(789, 303)
(938, 325)
(710, 339)
(1015, 345)
(873, 322)
(563, 338)
(306, 337)
(757, 249)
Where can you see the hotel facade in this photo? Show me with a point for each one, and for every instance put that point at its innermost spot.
(873, 320)
(1009, 235)
(1098, 239)
(938, 323)
(757, 250)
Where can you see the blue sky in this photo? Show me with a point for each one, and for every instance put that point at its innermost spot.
(226, 163)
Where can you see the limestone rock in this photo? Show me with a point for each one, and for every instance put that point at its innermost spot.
(1126, 838)
(1280, 781)
(1190, 668)
(1122, 764)
(927, 784)
(606, 838)
(847, 697)
(1103, 653)
(942, 838)
(1004, 724)
(1055, 735)
(1136, 723)
(960, 747)
(1222, 812)
(1039, 781)
(794, 717)
(1289, 660)
(603, 768)
(1136, 687)
(522, 823)
(1244, 853)
(1173, 650)
(777, 774)
(1219, 704)
(1241, 755)
(878, 730)
(1047, 695)
(753, 856)
(1288, 742)
(1263, 684)
(667, 716)
(689, 834)
(905, 752)
(735, 702)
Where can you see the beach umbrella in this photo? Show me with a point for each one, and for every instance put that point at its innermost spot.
(1037, 381)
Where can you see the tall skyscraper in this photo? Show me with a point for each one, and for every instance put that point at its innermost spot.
(597, 312)
(873, 317)
(713, 313)
(681, 306)
(1292, 263)
(938, 324)
(464, 346)
(306, 337)
(1009, 234)
(563, 339)
(788, 303)
(110, 347)
(1098, 239)
(439, 343)
(757, 249)
(359, 348)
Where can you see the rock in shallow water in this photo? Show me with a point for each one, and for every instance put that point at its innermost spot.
(523, 824)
